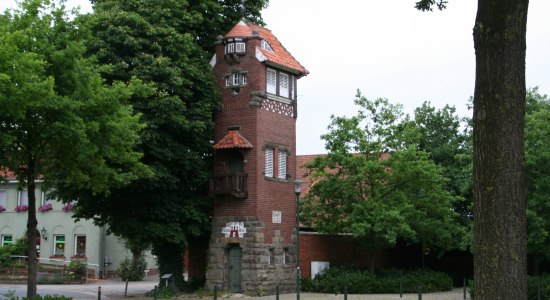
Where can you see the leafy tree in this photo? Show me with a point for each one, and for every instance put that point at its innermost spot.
(164, 44)
(537, 166)
(500, 254)
(446, 137)
(59, 122)
(377, 195)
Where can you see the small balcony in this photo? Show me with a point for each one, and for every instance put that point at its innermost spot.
(232, 185)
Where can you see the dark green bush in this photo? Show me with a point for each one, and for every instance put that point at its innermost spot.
(533, 286)
(358, 281)
(132, 269)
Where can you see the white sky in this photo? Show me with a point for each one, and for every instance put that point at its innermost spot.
(386, 49)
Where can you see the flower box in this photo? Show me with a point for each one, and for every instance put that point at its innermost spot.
(20, 208)
(45, 207)
(68, 207)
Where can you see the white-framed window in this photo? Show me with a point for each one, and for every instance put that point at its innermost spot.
(243, 79)
(271, 81)
(268, 170)
(23, 197)
(281, 164)
(265, 45)
(7, 239)
(80, 245)
(240, 47)
(236, 79)
(3, 198)
(59, 245)
(227, 81)
(230, 48)
(283, 85)
(292, 87)
(47, 198)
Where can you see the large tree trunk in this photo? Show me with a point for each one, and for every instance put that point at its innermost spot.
(31, 235)
(500, 267)
(170, 261)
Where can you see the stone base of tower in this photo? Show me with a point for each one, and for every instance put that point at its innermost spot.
(243, 262)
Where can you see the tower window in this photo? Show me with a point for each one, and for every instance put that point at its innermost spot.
(281, 164)
(230, 48)
(283, 85)
(236, 79)
(265, 45)
(240, 47)
(268, 170)
(271, 81)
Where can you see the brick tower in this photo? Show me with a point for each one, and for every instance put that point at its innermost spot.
(252, 247)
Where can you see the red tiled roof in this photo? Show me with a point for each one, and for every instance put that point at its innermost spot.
(7, 174)
(280, 56)
(233, 140)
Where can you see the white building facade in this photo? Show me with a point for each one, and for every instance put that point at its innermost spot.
(61, 239)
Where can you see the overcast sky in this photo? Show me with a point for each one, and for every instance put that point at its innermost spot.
(386, 49)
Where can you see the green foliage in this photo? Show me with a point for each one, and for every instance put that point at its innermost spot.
(375, 184)
(537, 174)
(59, 120)
(132, 269)
(162, 292)
(77, 268)
(6, 251)
(334, 279)
(166, 44)
(10, 295)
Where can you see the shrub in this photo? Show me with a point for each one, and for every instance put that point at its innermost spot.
(132, 270)
(334, 280)
(77, 269)
(162, 292)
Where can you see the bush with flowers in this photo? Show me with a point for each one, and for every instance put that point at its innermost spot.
(2, 208)
(22, 207)
(45, 207)
(68, 207)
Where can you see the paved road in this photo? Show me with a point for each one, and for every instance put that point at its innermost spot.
(110, 289)
(114, 289)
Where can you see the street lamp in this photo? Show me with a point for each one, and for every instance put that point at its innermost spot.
(44, 233)
(297, 191)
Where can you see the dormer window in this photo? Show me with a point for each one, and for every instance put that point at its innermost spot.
(265, 45)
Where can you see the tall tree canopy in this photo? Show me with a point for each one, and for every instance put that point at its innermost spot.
(59, 121)
(165, 44)
(537, 177)
(376, 185)
(500, 257)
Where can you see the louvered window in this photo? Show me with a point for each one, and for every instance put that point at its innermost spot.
(292, 87)
(283, 85)
(271, 81)
(268, 162)
(281, 165)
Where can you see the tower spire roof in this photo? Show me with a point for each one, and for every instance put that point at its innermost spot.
(274, 52)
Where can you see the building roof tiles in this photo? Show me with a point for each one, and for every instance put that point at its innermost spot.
(278, 57)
